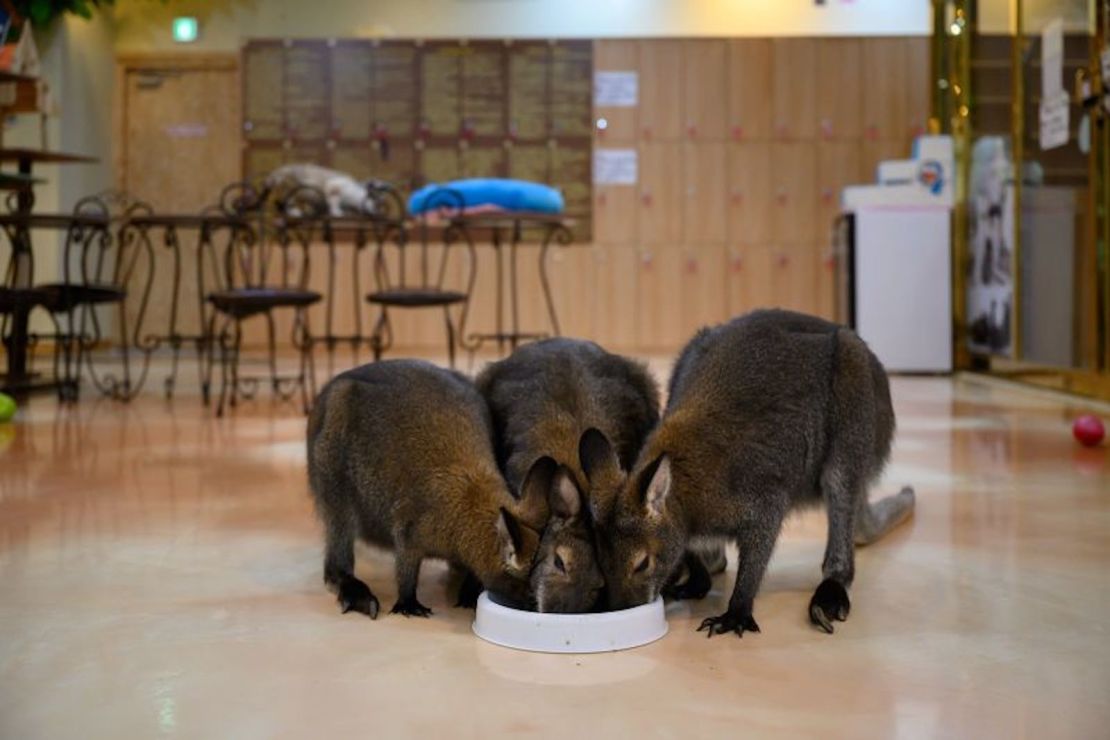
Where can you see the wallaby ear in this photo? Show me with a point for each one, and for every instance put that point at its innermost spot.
(510, 538)
(566, 499)
(658, 487)
(596, 454)
(534, 491)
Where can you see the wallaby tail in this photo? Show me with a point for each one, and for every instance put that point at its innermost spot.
(873, 520)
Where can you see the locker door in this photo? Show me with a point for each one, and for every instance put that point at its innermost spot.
(797, 277)
(658, 295)
(794, 88)
(838, 88)
(751, 278)
(660, 208)
(839, 164)
(703, 289)
(749, 192)
(794, 189)
(660, 90)
(614, 273)
(705, 169)
(884, 79)
(621, 124)
(706, 102)
(749, 89)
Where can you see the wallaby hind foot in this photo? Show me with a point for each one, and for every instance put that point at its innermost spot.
(410, 607)
(353, 595)
(829, 602)
(876, 519)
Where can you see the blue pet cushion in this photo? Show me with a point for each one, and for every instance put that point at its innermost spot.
(512, 195)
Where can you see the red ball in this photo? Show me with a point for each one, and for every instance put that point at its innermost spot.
(1088, 430)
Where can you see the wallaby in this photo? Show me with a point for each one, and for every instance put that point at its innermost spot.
(542, 398)
(400, 454)
(771, 411)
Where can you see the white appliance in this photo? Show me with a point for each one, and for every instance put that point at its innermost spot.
(896, 262)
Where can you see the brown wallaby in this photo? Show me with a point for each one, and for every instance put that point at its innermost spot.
(542, 399)
(400, 455)
(771, 411)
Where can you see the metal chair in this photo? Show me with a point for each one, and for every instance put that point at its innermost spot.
(264, 266)
(401, 285)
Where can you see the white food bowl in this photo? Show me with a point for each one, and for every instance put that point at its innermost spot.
(569, 633)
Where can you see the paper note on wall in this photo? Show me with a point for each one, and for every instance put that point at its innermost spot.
(616, 89)
(615, 166)
(1054, 121)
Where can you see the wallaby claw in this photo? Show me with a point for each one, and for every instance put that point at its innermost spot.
(829, 602)
(728, 622)
(410, 608)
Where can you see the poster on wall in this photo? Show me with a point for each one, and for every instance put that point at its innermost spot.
(990, 278)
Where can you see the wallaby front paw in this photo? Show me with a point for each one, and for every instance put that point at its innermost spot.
(687, 590)
(355, 596)
(728, 622)
(467, 599)
(410, 608)
(829, 602)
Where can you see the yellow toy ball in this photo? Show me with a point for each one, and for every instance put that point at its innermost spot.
(7, 407)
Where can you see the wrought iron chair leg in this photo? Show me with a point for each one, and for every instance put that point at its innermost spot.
(223, 341)
(206, 355)
(308, 365)
(234, 355)
(450, 337)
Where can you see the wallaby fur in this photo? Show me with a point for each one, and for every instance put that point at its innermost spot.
(542, 398)
(768, 412)
(400, 454)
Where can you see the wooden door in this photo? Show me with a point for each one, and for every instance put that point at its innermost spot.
(177, 146)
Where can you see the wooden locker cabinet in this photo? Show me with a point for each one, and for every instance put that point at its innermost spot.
(749, 195)
(661, 193)
(616, 214)
(749, 89)
(750, 281)
(704, 192)
(839, 164)
(794, 88)
(794, 276)
(661, 82)
(705, 64)
(793, 191)
(884, 84)
(839, 96)
(614, 272)
(622, 124)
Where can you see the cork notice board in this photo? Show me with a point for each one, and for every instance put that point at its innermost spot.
(413, 112)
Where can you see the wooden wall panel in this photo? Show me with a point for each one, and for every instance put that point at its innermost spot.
(660, 212)
(614, 272)
(749, 89)
(622, 124)
(661, 94)
(794, 88)
(705, 192)
(839, 95)
(750, 280)
(705, 90)
(884, 81)
(749, 192)
(794, 190)
(918, 85)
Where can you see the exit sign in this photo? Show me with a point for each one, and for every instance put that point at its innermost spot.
(185, 29)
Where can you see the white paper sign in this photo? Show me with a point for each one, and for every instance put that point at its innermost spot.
(1054, 121)
(1052, 59)
(616, 89)
(615, 167)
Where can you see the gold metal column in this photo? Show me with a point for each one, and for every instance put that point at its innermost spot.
(956, 41)
(1017, 129)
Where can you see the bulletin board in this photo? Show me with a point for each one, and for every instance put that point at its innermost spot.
(413, 112)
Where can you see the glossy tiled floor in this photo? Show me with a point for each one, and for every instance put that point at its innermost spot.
(160, 576)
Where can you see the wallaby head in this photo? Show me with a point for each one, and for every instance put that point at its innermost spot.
(518, 525)
(566, 577)
(640, 536)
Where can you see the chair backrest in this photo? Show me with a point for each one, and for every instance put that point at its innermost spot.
(417, 254)
(269, 245)
(99, 248)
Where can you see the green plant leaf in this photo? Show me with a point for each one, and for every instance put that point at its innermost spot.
(41, 12)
